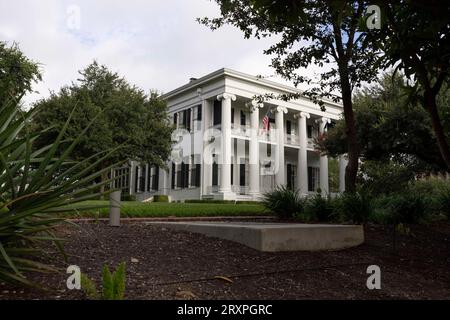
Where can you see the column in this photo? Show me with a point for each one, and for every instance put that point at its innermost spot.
(342, 166)
(302, 160)
(323, 159)
(280, 176)
(253, 150)
(225, 172)
(207, 157)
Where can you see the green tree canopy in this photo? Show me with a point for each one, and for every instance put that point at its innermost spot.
(390, 126)
(126, 117)
(17, 73)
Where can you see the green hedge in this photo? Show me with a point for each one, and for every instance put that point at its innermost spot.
(220, 201)
(160, 198)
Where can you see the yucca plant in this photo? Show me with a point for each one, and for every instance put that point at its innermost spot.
(113, 284)
(35, 186)
(282, 201)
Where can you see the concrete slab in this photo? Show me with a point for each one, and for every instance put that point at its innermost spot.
(273, 237)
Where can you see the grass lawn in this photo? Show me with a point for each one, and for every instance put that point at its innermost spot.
(161, 209)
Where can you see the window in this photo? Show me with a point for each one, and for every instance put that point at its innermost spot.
(232, 115)
(181, 121)
(155, 179)
(291, 173)
(175, 118)
(313, 179)
(309, 131)
(179, 175)
(217, 113)
(197, 118)
(288, 127)
(149, 178)
(195, 175)
(243, 119)
(187, 119)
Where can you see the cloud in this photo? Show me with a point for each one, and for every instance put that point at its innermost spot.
(154, 44)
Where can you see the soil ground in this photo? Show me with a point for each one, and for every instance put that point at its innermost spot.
(167, 264)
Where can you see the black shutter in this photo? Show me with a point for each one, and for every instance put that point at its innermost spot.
(180, 182)
(217, 116)
(197, 174)
(242, 174)
(310, 179)
(232, 174)
(186, 175)
(175, 118)
(173, 175)
(199, 112)
(232, 115)
(215, 174)
(136, 177)
(288, 127)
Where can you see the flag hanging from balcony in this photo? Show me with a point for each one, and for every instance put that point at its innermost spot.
(266, 121)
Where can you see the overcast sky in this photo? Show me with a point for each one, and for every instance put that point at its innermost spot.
(154, 44)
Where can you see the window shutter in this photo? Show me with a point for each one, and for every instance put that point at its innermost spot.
(173, 175)
(232, 115)
(197, 175)
(175, 118)
(186, 176)
(288, 127)
(199, 112)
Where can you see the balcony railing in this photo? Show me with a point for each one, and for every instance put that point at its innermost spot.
(240, 130)
(291, 139)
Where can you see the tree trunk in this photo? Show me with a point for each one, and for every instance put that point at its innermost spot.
(351, 170)
(430, 105)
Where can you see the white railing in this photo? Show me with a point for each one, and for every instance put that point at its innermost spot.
(291, 139)
(240, 130)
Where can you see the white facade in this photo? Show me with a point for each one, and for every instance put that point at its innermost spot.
(221, 150)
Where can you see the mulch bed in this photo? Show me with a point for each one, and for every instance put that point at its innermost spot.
(179, 265)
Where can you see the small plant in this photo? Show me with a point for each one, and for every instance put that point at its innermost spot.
(284, 202)
(113, 284)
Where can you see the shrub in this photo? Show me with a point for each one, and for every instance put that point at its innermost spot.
(209, 201)
(319, 208)
(160, 198)
(127, 197)
(408, 207)
(284, 202)
(354, 207)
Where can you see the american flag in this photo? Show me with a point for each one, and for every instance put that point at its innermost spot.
(266, 121)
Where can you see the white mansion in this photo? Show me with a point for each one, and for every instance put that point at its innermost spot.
(229, 146)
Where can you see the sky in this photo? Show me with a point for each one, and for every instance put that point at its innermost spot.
(154, 44)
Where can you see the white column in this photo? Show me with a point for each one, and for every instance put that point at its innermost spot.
(342, 166)
(253, 156)
(206, 158)
(323, 159)
(280, 178)
(302, 162)
(225, 172)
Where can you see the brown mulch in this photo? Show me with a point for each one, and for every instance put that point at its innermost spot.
(166, 264)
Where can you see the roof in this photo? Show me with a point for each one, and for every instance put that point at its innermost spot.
(236, 74)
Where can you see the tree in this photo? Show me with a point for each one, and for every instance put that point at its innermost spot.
(311, 32)
(390, 127)
(126, 117)
(35, 184)
(415, 38)
(17, 73)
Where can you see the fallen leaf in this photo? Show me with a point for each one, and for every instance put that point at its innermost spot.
(224, 278)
